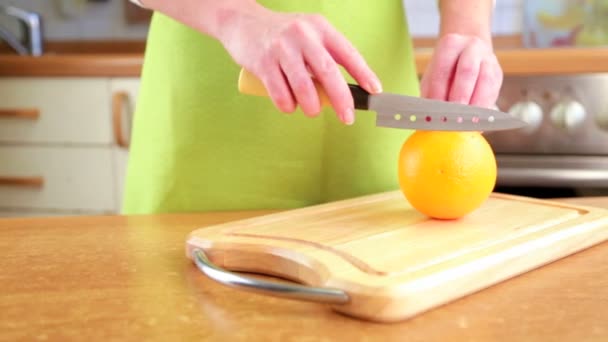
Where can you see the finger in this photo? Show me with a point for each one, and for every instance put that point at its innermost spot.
(488, 84)
(344, 53)
(326, 71)
(424, 83)
(442, 68)
(466, 74)
(277, 88)
(293, 66)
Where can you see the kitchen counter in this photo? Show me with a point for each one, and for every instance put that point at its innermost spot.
(127, 277)
(513, 61)
(72, 65)
(541, 61)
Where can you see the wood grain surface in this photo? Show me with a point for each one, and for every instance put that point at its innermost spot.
(393, 262)
(127, 278)
(514, 61)
(72, 65)
(529, 62)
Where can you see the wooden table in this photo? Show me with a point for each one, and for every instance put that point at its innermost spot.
(127, 278)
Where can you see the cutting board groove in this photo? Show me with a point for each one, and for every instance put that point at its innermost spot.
(393, 261)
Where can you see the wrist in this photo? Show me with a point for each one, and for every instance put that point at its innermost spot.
(211, 17)
(468, 17)
(481, 33)
(231, 16)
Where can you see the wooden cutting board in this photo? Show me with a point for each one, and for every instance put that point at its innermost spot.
(395, 263)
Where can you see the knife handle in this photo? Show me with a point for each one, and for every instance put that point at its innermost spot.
(249, 84)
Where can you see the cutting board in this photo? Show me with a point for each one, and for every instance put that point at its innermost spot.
(394, 263)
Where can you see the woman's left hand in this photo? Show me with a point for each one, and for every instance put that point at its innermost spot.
(463, 69)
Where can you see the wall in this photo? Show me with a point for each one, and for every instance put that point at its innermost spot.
(424, 18)
(105, 20)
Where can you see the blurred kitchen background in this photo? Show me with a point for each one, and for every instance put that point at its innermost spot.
(84, 19)
(69, 77)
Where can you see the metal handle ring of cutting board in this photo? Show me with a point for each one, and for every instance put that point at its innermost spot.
(291, 291)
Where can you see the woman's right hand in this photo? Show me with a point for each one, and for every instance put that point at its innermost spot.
(284, 50)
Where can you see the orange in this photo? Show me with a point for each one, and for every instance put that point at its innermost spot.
(446, 175)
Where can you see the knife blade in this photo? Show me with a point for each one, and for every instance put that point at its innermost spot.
(408, 112)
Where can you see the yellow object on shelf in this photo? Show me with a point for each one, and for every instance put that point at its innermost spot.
(566, 23)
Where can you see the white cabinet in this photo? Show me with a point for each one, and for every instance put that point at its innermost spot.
(74, 178)
(64, 144)
(120, 158)
(69, 110)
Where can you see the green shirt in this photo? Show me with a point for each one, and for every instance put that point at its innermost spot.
(199, 145)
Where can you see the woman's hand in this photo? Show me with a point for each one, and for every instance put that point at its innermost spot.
(463, 69)
(284, 50)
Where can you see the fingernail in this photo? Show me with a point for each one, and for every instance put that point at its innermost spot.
(375, 86)
(349, 116)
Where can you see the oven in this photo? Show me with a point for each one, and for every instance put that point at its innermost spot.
(564, 149)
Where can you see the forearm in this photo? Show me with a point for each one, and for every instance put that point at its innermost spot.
(210, 17)
(467, 17)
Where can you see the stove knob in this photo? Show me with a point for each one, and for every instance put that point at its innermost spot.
(568, 114)
(528, 111)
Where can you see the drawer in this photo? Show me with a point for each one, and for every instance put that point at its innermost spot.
(121, 161)
(51, 110)
(66, 178)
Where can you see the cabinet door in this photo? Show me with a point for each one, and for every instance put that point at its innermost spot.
(57, 178)
(124, 100)
(55, 110)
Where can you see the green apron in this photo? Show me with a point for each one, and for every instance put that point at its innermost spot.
(199, 145)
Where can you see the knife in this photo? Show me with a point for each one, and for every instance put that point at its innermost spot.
(407, 112)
